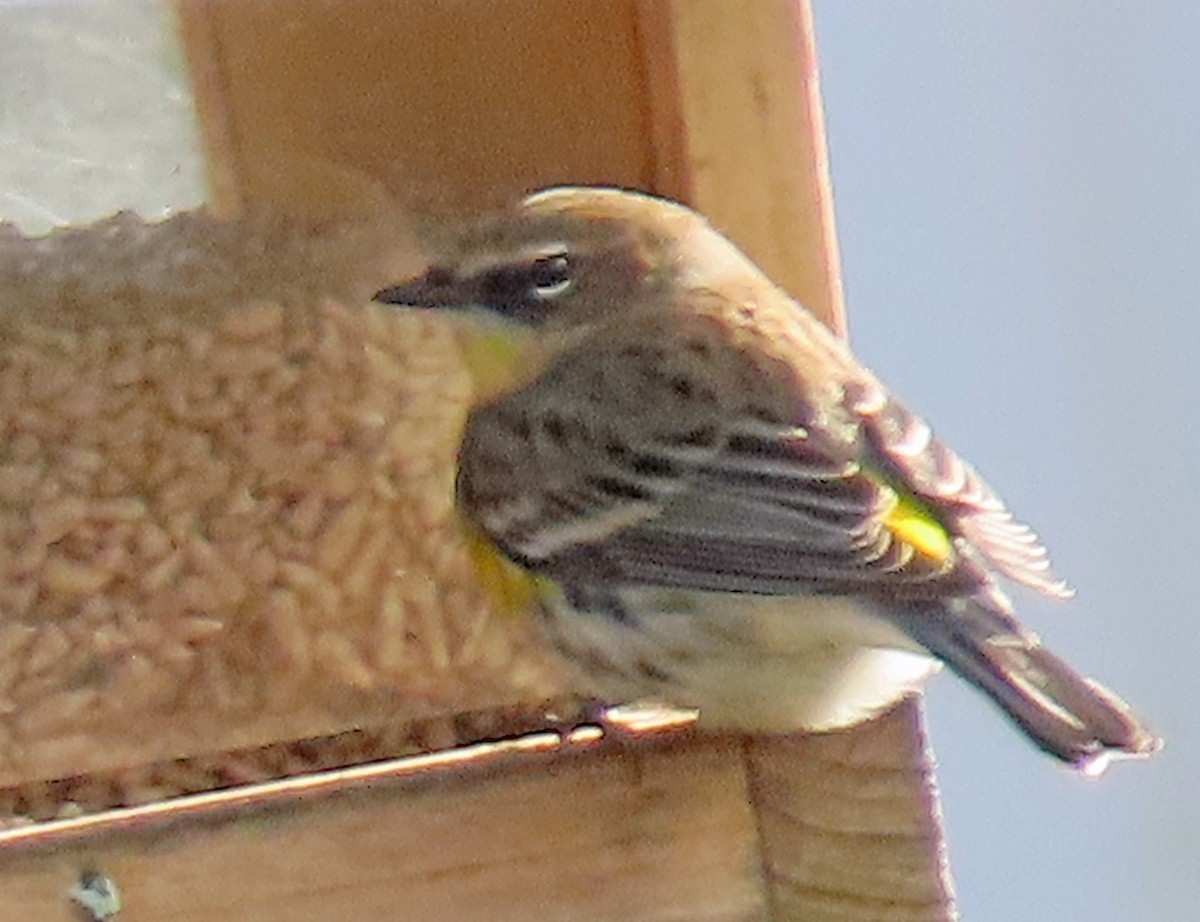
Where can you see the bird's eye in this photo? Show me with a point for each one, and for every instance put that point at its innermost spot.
(525, 291)
(550, 276)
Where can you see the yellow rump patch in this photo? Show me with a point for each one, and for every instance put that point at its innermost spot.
(917, 527)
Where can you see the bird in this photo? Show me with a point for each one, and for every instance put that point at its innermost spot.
(706, 500)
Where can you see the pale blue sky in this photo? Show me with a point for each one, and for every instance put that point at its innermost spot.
(1017, 188)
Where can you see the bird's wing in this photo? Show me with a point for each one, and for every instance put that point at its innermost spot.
(753, 519)
(630, 463)
(905, 449)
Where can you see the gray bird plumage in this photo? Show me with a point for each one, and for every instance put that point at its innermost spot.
(693, 433)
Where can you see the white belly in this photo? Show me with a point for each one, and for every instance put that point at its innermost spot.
(761, 664)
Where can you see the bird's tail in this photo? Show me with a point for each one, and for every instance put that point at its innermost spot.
(1066, 714)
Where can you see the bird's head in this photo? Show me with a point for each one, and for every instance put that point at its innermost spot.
(562, 263)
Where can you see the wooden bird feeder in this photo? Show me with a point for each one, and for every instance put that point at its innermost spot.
(265, 686)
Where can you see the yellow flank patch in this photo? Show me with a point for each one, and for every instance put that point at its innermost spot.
(510, 589)
(913, 524)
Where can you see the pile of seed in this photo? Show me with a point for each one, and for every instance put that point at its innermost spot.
(226, 509)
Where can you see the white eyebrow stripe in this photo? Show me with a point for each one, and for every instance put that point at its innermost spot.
(488, 262)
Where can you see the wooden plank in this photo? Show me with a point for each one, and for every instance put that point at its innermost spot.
(657, 826)
(709, 102)
(660, 831)
(740, 133)
(467, 104)
(849, 823)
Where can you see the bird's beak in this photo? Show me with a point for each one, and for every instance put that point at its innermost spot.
(437, 288)
(500, 356)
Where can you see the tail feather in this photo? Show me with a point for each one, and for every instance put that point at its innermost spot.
(1066, 714)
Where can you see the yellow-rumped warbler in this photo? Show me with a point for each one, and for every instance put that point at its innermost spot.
(713, 503)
